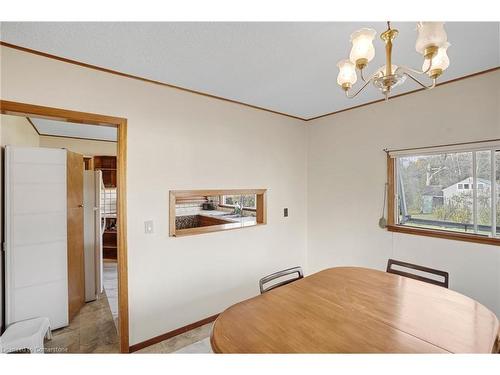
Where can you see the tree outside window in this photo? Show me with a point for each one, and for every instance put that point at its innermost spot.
(249, 201)
(437, 191)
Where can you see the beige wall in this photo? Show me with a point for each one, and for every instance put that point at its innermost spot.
(347, 147)
(16, 130)
(81, 146)
(177, 140)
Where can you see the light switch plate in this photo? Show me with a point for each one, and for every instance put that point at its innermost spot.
(285, 212)
(148, 227)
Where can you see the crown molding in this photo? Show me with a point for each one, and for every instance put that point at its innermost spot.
(405, 93)
(106, 70)
(115, 72)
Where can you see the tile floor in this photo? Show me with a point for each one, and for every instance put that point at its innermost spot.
(110, 282)
(200, 347)
(194, 341)
(92, 330)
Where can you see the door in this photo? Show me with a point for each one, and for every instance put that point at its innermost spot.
(89, 235)
(92, 233)
(100, 224)
(76, 270)
(35, 235)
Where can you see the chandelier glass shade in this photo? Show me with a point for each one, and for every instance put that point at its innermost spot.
(362, 51)
(347, 73)
(431, 43)
(438, 64)
(430, 34)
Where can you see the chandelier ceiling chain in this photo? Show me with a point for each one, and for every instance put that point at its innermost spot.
(431, 43)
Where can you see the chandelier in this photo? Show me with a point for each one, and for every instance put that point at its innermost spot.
(431, 43)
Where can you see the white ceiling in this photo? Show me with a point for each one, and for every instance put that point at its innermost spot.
(283, 66)
(70, 129)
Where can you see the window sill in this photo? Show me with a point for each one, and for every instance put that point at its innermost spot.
(445, 235)
(213, 228)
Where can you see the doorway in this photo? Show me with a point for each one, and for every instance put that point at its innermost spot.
(71, 118)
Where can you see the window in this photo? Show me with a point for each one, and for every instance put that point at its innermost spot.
(204, 211)
(248, 201)
(448, 191)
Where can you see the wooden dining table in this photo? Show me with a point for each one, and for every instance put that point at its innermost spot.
(356, 310)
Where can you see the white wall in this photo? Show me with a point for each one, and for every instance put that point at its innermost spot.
(81, 146)
(177, 140)
(347, 172)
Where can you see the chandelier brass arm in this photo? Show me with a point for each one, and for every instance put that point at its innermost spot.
(361, 74)
(431, 44)
(361, 70)
(403, 68)
(407, 68)
(376, 74)
(357, 92)
(379, 75)
(422, 84)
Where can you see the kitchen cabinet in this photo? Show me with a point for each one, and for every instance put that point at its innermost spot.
(106, 164)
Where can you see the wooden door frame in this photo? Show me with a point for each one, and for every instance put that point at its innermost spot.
(31, 110)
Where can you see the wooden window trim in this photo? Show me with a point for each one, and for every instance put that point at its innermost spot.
(392, 226)
(444, 234)
(211, 229)
(182, 195)
(391, 195)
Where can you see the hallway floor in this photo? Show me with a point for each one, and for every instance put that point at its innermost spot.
(110, 282)
(91, 331)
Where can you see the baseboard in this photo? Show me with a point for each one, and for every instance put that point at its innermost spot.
(168, 335)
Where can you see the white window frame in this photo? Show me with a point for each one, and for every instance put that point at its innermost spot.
(223, 202)
(493, 147)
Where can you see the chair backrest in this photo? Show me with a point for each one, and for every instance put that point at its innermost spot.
(444, 275)
(277, 275)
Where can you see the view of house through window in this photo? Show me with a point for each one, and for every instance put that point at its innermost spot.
(450, 191)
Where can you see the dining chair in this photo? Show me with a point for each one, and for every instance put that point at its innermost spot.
(444, 275)
(279, 274)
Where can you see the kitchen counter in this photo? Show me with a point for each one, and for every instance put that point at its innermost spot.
(244, 220)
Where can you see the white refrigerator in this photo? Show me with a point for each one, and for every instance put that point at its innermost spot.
(93, 231)
(35, 226)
